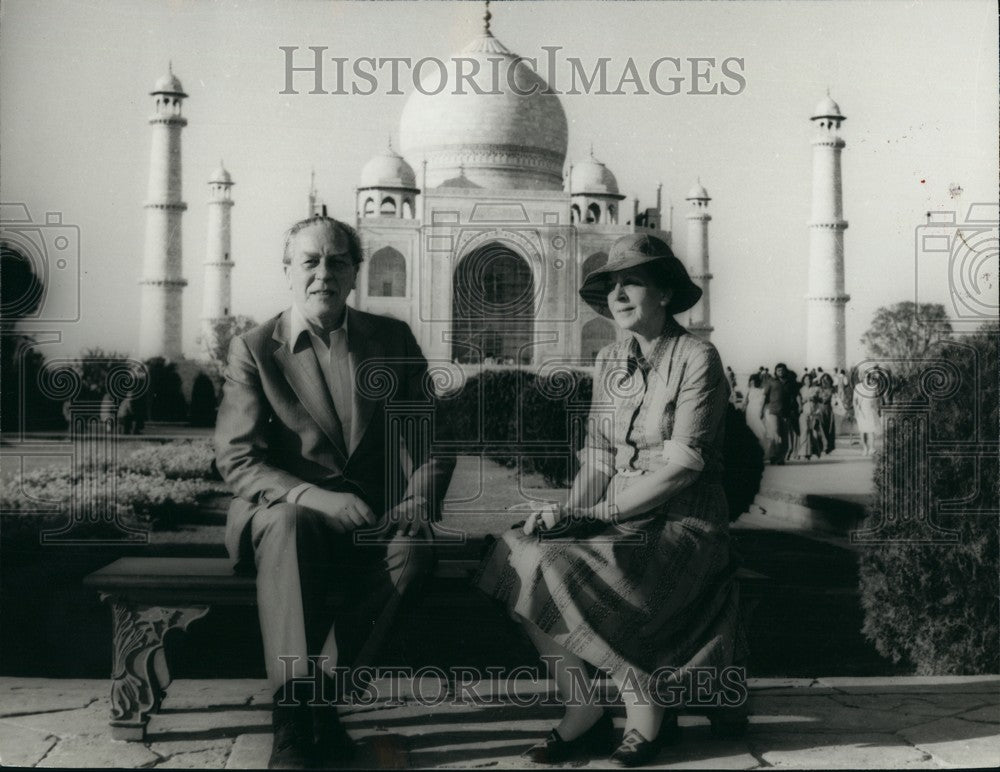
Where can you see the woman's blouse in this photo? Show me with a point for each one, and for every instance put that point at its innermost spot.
(669, 408)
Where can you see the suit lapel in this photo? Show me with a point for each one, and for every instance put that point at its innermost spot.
(365, 351)
(304, 376)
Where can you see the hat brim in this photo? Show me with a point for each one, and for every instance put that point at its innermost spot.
(594, 290)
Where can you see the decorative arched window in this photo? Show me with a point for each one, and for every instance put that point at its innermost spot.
(408, 209)
(369, 209)
(388, 207)
(387, 274)
(574, 214)
(594, 213)
(612, 214)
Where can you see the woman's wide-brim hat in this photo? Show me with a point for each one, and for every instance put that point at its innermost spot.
(634, 250)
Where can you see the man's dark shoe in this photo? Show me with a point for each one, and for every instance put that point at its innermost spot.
(332, 742)
(596, 741)
(292, 746)
(635, 750)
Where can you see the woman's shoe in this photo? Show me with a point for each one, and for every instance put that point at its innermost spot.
(635, 750)
(597, 740)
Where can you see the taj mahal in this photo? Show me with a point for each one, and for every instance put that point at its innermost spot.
(477, 232)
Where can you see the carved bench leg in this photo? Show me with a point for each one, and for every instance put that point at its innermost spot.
(139, 674)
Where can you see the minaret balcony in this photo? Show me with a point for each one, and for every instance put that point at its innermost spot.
(177, 206)
(169, 120)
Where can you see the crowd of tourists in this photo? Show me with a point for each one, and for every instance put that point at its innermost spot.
(795, 416)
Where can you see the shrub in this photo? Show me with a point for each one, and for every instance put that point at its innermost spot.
(482, 415)
(41, 501)
(552, 413)
(187, 460)
(203, 401)
(934, 605)
(165, 397)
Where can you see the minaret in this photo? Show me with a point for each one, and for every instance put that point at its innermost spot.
(312, 194)
(162, 284)
(699, 317)
(216, 301)
(826, 340)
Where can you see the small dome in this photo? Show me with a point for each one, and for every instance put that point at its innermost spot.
(590, 176)
(461, 181)
(388, 170)
(827, 108)
(221, 177)
(168, 84)
(698, 192)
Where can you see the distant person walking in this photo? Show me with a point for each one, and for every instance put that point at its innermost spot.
(792, 412)
(867, 409)
(755, 409)
(810, 439)
(777, 393)
(827, 426)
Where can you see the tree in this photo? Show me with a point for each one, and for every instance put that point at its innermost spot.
(215, 342)
(21, 295)
(906, 331)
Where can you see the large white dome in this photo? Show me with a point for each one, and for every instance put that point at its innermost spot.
(501, 138)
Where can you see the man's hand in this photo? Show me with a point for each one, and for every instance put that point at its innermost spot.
(345, 511)
(412, 517)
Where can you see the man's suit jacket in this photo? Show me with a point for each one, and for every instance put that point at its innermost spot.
(277, 427)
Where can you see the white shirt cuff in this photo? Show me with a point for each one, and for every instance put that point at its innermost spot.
(293, 496)
(683, 455)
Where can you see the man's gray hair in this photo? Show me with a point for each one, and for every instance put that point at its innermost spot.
(353, 240)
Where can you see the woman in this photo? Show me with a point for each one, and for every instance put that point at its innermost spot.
(827, 427)
(792, 409)
(868, 408)
(633, 575)
(810, 438)
(755, 409)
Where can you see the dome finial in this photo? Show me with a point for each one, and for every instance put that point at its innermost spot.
(486, 19)
(389, 143)
(591, 149)
(170, 66)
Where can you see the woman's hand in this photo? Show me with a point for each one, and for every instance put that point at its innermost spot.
(543, 518)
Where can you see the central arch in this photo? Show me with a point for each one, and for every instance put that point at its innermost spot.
(493, 306)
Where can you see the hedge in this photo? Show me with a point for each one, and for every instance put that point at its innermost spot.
(934, 606)
(154, 487)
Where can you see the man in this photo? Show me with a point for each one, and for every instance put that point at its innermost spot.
(774, 413)
(329, 493)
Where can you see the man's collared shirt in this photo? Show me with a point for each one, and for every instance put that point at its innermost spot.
(334, 359)
(335, 363)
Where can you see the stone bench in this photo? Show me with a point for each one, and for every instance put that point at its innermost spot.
(151, 595)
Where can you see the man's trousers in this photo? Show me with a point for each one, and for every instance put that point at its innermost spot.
(300, 562)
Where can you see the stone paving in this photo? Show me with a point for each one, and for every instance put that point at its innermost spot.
(853, 723)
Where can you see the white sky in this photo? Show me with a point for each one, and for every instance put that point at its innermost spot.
(917, 81)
